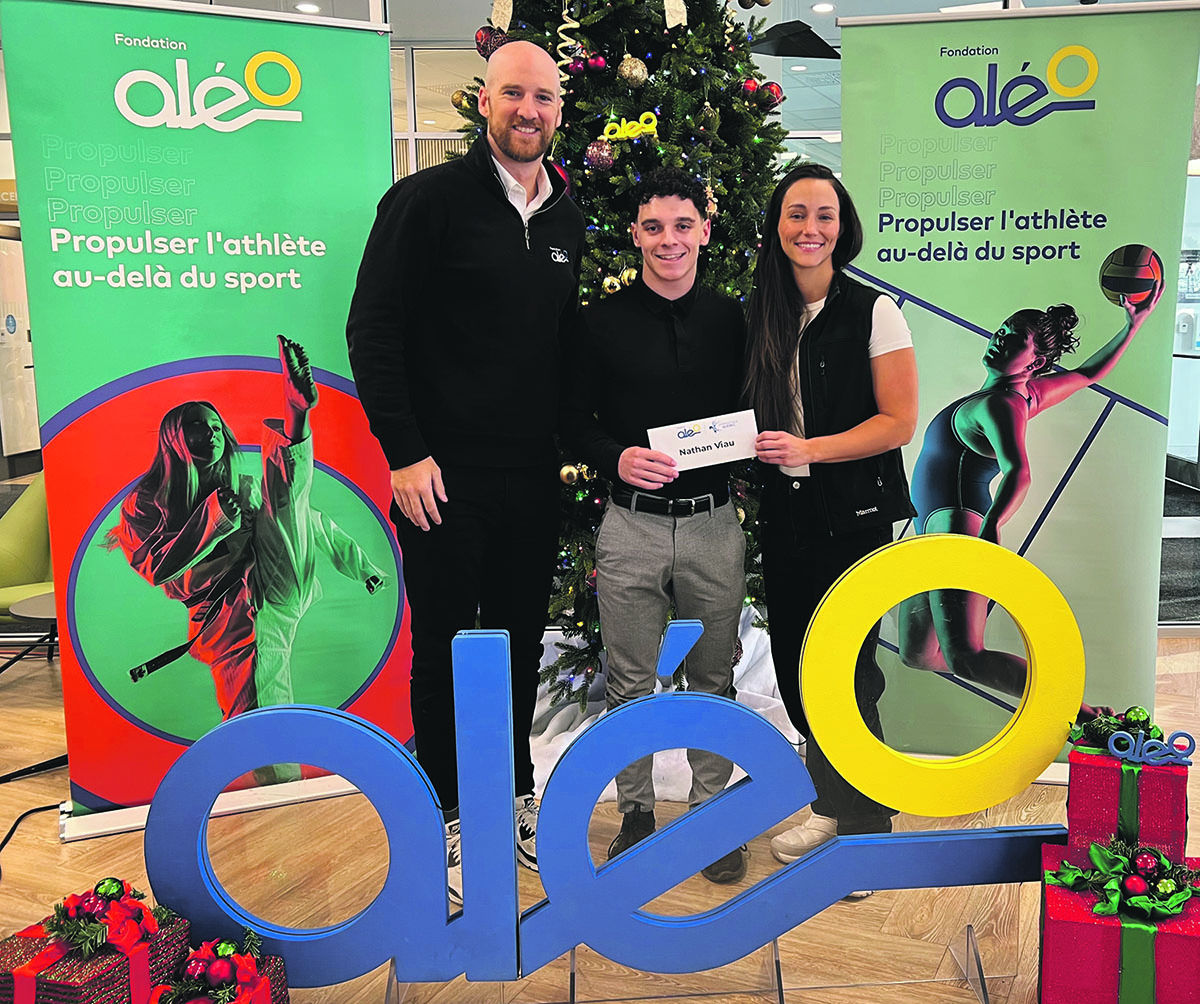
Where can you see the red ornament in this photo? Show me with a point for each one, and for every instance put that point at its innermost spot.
(576, 66)
(488, 40)
(770, 95)
(1134, 885)
(562, 173)
(219, 972)
(1146, 865)
(599, 155)
(749, 86)
(196, 968)
(596, 62)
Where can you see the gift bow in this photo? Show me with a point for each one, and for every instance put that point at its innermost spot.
(25, 977)
(1105, 880)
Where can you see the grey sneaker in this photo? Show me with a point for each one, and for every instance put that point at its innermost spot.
(453, 864)
(635, 825)
(526, 810)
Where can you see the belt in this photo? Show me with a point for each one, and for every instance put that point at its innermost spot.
(659, 506)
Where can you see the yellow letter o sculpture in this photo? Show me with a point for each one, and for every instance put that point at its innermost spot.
(1033, 737)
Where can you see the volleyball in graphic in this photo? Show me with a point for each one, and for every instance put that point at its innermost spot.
(1132, 271)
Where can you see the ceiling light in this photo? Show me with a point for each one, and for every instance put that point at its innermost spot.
(797, 68)
(822, 8)
(428, 121)
(308, 8)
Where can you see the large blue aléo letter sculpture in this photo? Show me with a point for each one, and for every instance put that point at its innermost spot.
(600, 906)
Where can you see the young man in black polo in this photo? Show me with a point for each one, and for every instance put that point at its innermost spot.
(661, 352)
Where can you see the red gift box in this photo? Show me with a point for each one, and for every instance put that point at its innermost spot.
(38, 969)
(268, 987)
(270, 967)
(1094, 809)
(1081, 952)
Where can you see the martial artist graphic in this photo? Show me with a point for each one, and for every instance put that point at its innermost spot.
(242, 557)
(966, 445)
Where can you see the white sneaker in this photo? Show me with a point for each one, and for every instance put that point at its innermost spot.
(453, 864)
(526, 810)
(799, 840)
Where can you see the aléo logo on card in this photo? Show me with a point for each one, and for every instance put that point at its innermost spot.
(1018, 101)
(185, 107)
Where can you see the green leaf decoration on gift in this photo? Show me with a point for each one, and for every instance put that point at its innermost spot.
(1109, 861)
(1069, 876)
(1112, 868)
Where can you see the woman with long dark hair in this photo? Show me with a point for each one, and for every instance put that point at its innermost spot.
(832, 378)
(240, 556)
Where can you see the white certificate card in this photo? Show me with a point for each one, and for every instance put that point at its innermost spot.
(706, 441)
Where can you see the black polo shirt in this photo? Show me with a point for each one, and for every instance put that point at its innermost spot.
(642, 361)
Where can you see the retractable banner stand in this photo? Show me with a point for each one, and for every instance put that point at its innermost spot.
(194, 185)
(996, 164)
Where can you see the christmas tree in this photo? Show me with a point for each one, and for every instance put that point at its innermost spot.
(642, 91)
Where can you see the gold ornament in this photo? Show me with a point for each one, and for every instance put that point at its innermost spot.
(628, 275)
(741, 514)
(587, 472)
(712, 201)
(633, 71)
(568, 474)
(461, 100)
(611, 284)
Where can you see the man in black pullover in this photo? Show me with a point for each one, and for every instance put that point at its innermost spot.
(467, 285)
(663, 352)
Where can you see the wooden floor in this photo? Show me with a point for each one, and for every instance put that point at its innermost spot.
(318, 863)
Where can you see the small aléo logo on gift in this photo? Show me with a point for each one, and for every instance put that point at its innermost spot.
(185, 107)
(687, 431)
(1014, 102)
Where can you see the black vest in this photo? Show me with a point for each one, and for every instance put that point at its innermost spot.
(836, 390)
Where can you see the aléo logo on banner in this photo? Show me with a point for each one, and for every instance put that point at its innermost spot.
(991, 108)
(185, 108)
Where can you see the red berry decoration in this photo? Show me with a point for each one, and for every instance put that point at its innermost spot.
(196, 967)
(1146, 865)
(770, 95)
(93, 903)
(219, 972)
(1134, 885)
(596, 62)
(749, 86)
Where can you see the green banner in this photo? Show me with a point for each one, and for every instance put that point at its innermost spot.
(996, 164)
(195, 183)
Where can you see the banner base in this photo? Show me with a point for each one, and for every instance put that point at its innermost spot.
(102, 824)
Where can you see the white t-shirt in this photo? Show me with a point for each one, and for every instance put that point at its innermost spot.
(889, 333)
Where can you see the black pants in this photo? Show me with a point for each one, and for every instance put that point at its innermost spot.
(800, 562)
(492, 555)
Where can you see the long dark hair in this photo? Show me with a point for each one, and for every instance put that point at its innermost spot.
(776, 305)
(172, 484)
